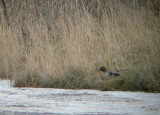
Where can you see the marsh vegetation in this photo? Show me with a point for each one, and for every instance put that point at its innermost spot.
(61, 44)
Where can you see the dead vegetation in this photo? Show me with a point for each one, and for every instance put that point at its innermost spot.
(58, 43)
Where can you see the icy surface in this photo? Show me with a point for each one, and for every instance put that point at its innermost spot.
(61, 101)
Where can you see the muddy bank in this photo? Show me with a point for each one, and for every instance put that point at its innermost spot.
(61, 101)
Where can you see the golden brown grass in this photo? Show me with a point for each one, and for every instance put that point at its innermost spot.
(62, 44)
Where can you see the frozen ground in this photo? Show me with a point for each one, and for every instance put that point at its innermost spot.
(33, 101)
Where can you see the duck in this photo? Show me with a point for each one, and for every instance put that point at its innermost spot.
(108, 73)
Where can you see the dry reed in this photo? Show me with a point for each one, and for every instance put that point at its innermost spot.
(62, 44)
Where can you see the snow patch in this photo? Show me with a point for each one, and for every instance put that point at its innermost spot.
(66, 101)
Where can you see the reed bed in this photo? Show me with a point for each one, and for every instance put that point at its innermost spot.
(61, 44)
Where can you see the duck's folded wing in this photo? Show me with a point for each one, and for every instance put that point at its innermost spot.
(116, 74)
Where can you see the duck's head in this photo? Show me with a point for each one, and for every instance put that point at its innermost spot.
(103, 69)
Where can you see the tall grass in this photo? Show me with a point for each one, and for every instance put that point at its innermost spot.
(62, 43)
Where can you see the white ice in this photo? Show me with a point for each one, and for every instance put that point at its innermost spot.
(65, 101)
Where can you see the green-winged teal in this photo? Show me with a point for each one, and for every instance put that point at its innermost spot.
(108, 73)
